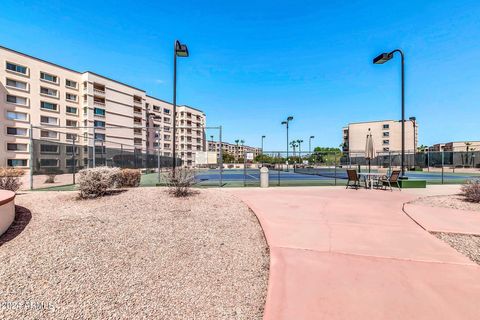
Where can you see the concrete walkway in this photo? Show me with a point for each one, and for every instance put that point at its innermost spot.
(448, 220)
(354, 254)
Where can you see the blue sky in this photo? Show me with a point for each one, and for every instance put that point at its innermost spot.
(253, 63)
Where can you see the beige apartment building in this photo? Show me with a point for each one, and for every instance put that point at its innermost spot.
(386, 135)
(460, 146)
(237, 151)
(57, 107)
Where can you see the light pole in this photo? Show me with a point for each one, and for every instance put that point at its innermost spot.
(310, 144)
(179, 50)
(286, 122)
(414, 122)
(382, 58)
(263, 137)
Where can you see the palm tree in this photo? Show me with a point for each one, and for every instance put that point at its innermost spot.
(236, 150)
(294, 145)
(299, 142)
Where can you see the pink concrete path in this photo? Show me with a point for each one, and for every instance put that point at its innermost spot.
(354, 254)
(445, 219)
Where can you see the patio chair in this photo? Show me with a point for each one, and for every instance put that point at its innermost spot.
(392, 180)
(353, 177)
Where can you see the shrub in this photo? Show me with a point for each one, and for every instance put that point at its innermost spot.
(95, 182)
(129, 178)
(471, 190)
(10, 179)
(50, 178)
(180, 185)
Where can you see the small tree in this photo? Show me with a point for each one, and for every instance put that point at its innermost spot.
(471, 191)
(227, 157)
(179, 185)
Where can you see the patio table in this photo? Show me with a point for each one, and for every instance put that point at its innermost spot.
(371, 177)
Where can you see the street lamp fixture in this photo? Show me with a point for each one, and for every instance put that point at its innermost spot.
(381, 59)
(179, 50)
(310, 144)
(263, 137)
(289, 118)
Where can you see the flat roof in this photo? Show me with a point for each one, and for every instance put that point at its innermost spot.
(65, 68)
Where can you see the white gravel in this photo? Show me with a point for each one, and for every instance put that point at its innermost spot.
(455, 201)
(469, 245)
(140, 254)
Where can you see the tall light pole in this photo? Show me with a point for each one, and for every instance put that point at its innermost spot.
(310, 144)
(384, 57)
(179, 50)
(286, 122)
(263, 137)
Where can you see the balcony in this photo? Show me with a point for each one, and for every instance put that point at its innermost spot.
(99, 102)
(98, 92)
(137, 110)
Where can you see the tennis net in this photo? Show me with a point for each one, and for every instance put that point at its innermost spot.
(339, 173)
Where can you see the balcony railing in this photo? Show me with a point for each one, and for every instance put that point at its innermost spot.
(99, 92)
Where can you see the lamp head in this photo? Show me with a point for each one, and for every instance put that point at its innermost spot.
(284, 122)
(290, 118)
(311, 137)
(381, 59)
(181, 50)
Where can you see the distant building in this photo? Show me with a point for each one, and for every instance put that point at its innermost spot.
(386, 134)
(457, 146)
(235, 150)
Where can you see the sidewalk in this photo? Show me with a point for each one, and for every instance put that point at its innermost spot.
(354, 254)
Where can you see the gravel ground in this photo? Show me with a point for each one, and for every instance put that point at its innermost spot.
(469, 245)
(455, 201)
(140, 254)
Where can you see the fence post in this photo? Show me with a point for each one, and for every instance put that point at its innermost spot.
(221, 158)
(443, 159)
(73, 156)
(31, 157)
(94, 151)
(244, 169)
(335, 165)
(280, 167)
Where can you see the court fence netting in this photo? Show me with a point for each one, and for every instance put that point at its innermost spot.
(57, 158)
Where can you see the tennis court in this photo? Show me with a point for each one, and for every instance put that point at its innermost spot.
(311, 177)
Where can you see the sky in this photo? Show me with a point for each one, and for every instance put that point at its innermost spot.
(254, 63)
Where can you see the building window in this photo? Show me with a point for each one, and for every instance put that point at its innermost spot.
(137, 141)
(100, 136)
(71, 110)
(386, 149)
(17, 100)
(16, 131)
(99, 112)
(69, 162)
(48, 162)
(386, 134)
(52, 121)
(386, 126)
(18, 116)
(16, 84)
(49, 148)
(48, 134)
(71, 84)
(16, 146)
(48, 77)
(48, 106)
(16, 68)
(71, 136)
(137, 130)
(156, 108)
(48, 92)
(166, 111)
(99, 124)
(71, 97)
(69, 150)
(17, 162)
(71, 123)
(386, 141)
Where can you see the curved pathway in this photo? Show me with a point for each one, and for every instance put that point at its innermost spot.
(354, 254)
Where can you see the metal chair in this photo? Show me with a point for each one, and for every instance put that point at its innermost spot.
(389, 181)
(353, 177)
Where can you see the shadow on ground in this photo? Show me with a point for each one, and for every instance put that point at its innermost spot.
(22, 218)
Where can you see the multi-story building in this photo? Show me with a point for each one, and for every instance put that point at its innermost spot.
(56, 107)
(386, 135)
(238, 151)
(460, 146)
